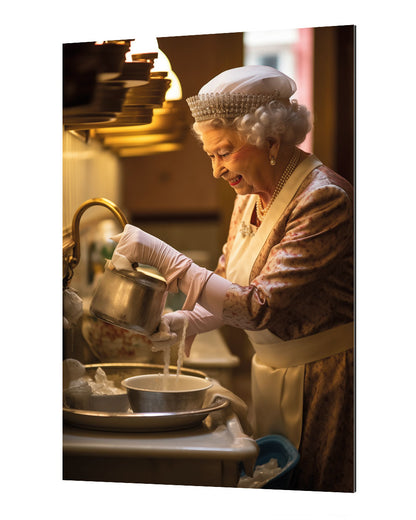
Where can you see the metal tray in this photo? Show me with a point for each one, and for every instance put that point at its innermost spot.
(140, 422)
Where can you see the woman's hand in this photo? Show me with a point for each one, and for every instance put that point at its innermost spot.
(170, 331)
(135, 245)
(174, 325)
(141, 247)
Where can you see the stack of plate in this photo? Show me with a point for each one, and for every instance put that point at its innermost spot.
(96, 81)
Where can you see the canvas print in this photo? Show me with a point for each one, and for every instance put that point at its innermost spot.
(209, 260)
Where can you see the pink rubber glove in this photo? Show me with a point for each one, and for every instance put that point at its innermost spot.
(211, 294)
(138, 246)
(198, 283)
(172, 326)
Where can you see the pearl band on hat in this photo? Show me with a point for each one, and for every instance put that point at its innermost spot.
(239, 91)
(209, 106)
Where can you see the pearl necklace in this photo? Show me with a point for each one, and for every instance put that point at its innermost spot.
(261, 212)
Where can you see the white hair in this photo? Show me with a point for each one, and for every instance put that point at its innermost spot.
(290, 122)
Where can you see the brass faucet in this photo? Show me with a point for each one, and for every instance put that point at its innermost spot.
(72, 259)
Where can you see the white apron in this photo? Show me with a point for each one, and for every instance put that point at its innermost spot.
(278, 366)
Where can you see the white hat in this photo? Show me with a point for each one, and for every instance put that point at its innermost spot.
(238, 91)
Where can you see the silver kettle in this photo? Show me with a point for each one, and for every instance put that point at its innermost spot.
(131, 299)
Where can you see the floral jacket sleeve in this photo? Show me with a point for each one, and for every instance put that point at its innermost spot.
(302, 280)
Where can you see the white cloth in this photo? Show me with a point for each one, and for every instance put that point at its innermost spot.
(72, 307)
(277, 353)
(238, 406)
(277, 390)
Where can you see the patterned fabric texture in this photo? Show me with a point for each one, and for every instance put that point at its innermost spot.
(302, 283)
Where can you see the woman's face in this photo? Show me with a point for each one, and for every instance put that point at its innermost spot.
(245, 167)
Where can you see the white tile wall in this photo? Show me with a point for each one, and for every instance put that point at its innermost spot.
(88, 171)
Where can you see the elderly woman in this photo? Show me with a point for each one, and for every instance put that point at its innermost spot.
(286, 272)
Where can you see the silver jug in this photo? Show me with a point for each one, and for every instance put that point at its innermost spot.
(132, 300)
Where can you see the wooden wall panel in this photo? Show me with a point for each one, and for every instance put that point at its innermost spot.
(334, 98)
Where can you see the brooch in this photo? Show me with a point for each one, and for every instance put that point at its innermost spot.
(246, 231)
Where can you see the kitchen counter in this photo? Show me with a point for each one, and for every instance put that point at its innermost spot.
(209, 454)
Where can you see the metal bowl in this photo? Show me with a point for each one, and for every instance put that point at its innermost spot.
(166, 392)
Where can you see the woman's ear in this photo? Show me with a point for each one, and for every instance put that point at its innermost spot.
(274, 146)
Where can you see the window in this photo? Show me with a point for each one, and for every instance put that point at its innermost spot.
(291, 52)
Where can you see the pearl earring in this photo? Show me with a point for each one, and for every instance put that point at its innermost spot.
(272, 161)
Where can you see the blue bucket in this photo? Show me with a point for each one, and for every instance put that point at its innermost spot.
(287, 456)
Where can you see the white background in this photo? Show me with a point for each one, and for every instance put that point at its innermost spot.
(31, 36)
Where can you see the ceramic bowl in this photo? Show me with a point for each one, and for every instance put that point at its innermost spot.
(112, 344)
